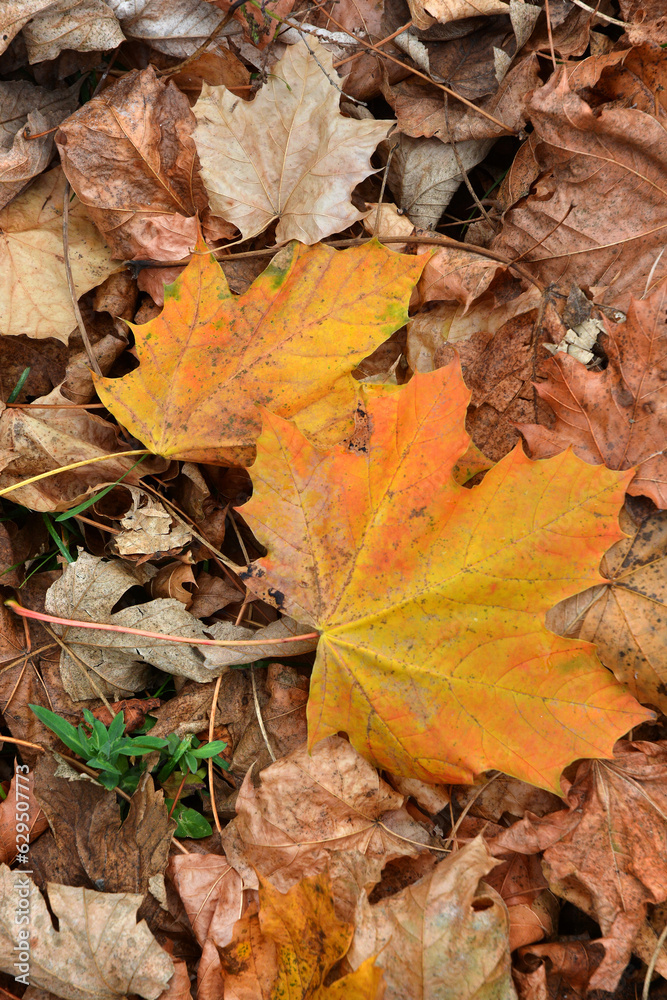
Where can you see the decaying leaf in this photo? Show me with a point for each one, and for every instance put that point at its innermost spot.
(291, 945)
(34, 297)
(626, 617)
(446, 936)
(617, 416)
(434, 657)
(19, 800)
(99, 951)
(588, 200)
(309, 813)
(84, 25)
(175, 27)
(138, 180)
(305, 174)
(607, 852)
(210, 360)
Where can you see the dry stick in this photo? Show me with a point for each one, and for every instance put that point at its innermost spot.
(96, 524)
(378, 214)
(211, 726)
(550, 33)
(74, 465)
(603, 17)
(40, 649)
(58, 406)
(39, 616)
(258, 713)
(416, 72)
(461, 166)
(652, 964)
(94, 364)
(383, 41)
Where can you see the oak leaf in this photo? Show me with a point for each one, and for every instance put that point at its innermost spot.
(210, 360)
(99, 952)
(290, 946)
(434, 656)
(305, 174)
(446, 936)
(626, 616)
(617, 416)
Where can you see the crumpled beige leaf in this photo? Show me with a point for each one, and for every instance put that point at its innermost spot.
(14, 14)
(83, 25)
(424, 12)
(445, 936)
(305, 174)
(34, 296)
(87, 591)
(138, 179)
(35, 440)
(27, 110)
(99, 952)
(148, 528)
(309, 811)
(175, 27)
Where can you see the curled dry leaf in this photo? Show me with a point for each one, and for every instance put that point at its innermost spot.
(305, 175)
(210, 360)
(490, 562)
(445, 936)
(617, 416)
(14, 15)
(138, 180)
(584, 180)
(425, 12)
(87, 591)
(329, 810)
(149, 529)
(83, 25)
(34, 295)
(626, 617)
(99, 952)
(292, 944)
(221, 657)
(26, 110)
(20, 799)
(607, 852)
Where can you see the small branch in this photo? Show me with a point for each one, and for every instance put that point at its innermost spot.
(258, 712)
(94, 364)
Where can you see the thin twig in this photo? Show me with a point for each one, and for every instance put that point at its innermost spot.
(211, 726)
(603, 17)
(383, 41)
(94, 364)
(258, 712)
(652, 964)
(378, 215)
(550, 34)
(461, 166)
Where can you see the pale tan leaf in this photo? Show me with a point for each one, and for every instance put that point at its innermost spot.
(445, 936)
(83, 25)
(14, 14)
(175, 27)
(99, 952)
(34, 297)
(305, 174)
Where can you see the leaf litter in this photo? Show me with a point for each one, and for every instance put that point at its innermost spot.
(394, 383)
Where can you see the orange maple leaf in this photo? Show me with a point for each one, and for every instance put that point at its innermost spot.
(210, 359)
(431, 597)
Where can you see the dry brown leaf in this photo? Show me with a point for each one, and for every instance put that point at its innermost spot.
(26, 110)
(175, 27)
(457, 275)
(308, 812)
(607, 853)
(362, 76)
(14, 14)
(588, 179)
(213, 896)
(83, 25)
(453, 10)
(149, 529)
(389, 222)
(574, 961)
(627, 617)
(305, 175)
(223, 657)
(139, 181)
(99, 951)
(34, 296)
(20, 806)
(648, 19)
(446, 936)
(212, 593)
(178, 987)
(35, 440)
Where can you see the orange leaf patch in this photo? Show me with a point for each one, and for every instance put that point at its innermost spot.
(210, 360)
(431, 597)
